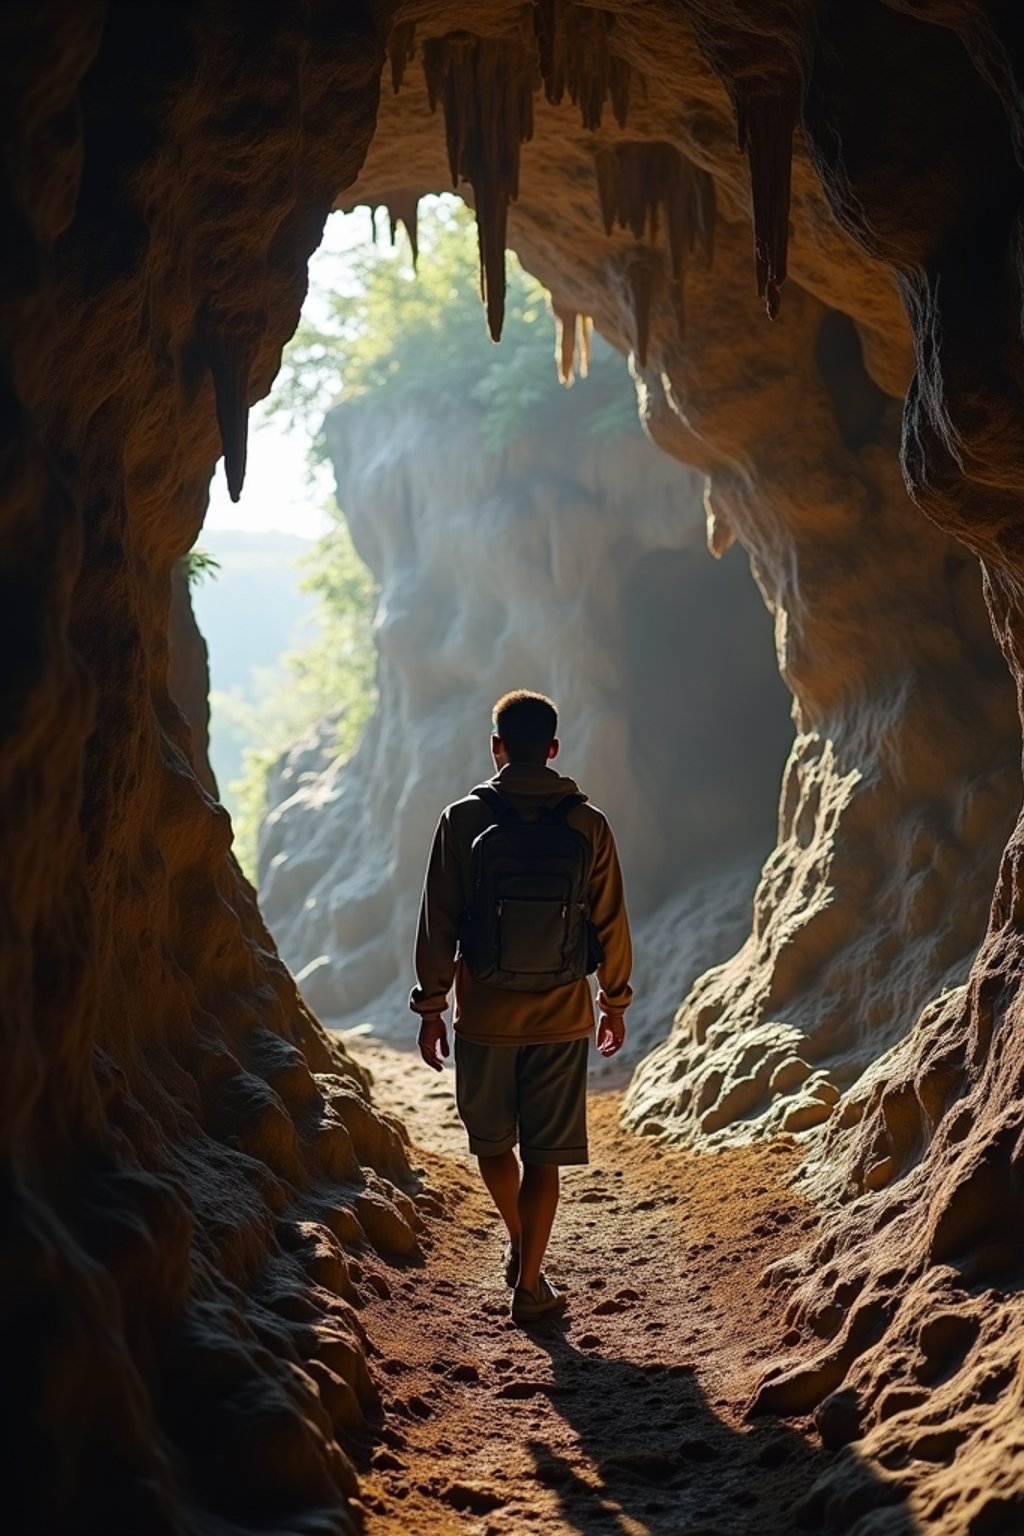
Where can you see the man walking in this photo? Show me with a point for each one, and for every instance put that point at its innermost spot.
(522, 899)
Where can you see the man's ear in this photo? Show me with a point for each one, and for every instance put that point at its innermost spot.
(553, 749)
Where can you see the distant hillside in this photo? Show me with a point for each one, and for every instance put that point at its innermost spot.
(251, 611)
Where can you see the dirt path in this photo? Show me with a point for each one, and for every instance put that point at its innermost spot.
(624, 1417)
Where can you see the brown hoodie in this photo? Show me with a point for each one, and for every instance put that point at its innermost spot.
(491, 1015)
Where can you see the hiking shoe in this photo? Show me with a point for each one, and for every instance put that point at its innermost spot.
(529, 1306)
(511, 1257)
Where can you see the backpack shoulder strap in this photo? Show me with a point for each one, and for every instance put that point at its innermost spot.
(565, 806)
(499, 808)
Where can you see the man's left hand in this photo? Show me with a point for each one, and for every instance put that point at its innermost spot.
(611, 1031)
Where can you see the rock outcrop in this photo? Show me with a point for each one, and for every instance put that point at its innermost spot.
(578, 565)
(176, 1326)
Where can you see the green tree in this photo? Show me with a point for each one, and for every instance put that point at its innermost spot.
(334, 673)
(393, 334)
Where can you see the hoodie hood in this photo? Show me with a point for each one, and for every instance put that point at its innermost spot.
(531, 784)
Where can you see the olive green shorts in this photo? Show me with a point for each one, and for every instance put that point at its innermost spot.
(535, 1095)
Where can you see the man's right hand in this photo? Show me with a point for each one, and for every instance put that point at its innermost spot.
(433, 1040)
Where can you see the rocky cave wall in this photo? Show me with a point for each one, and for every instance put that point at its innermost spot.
(171, 1163)
(568, 563)
(189, 1162)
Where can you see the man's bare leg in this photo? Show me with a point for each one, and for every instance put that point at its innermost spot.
(538, 1202)
(501, 1176)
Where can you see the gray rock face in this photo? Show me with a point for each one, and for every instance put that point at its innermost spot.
(576, 567)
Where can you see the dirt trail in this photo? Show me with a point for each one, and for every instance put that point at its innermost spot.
(624, 1417)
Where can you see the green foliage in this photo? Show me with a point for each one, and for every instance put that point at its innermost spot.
(336, 672)
(199, 565)
(393, 335)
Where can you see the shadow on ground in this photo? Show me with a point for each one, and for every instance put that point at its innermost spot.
(665, 1463)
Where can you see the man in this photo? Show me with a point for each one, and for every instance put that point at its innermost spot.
(523, 1015)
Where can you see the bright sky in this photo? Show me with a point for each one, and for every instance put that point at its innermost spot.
(277, 492)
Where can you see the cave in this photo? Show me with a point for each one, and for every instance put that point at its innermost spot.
(802, 225)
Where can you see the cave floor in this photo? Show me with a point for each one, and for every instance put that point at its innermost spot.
(626, 1416)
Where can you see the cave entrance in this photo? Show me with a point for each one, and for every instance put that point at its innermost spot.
(489, 530)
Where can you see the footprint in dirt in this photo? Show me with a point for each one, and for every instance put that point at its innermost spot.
(664, 1460)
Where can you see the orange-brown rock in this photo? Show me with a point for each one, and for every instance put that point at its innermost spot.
(179, 1186)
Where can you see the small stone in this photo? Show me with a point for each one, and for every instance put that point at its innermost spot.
(470, 1496)
(838, 1419)
(387, 1461)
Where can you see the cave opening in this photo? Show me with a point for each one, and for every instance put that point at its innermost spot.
(513, 532)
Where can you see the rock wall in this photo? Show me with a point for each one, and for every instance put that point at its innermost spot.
(188, 1161)
(566, 563)
(167, 174)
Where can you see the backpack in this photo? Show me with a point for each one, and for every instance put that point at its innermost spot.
(528, 925)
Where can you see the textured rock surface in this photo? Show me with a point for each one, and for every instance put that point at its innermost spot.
(188, 1161)
(164, 1139)
(579, 567)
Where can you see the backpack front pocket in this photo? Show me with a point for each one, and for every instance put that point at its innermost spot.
(532, 933)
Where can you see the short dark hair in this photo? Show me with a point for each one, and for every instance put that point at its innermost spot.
(527, 724)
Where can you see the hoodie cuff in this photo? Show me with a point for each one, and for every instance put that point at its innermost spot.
(427, 1002)
(616, 1004)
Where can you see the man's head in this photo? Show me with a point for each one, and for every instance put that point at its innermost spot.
(524, 729)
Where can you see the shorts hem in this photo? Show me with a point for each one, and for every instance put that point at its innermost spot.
(562, 1157)
(479, 1146)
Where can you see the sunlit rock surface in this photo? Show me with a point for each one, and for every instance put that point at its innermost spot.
(566, 563)
(165, 1140)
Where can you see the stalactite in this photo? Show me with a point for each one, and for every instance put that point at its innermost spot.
(639, 274)
(230, 362)
(765, 132)
(572, 343)
(718, 530)
(486, 87)
(401, 51)
(576, 57)
(641, 183)
(403, 208)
